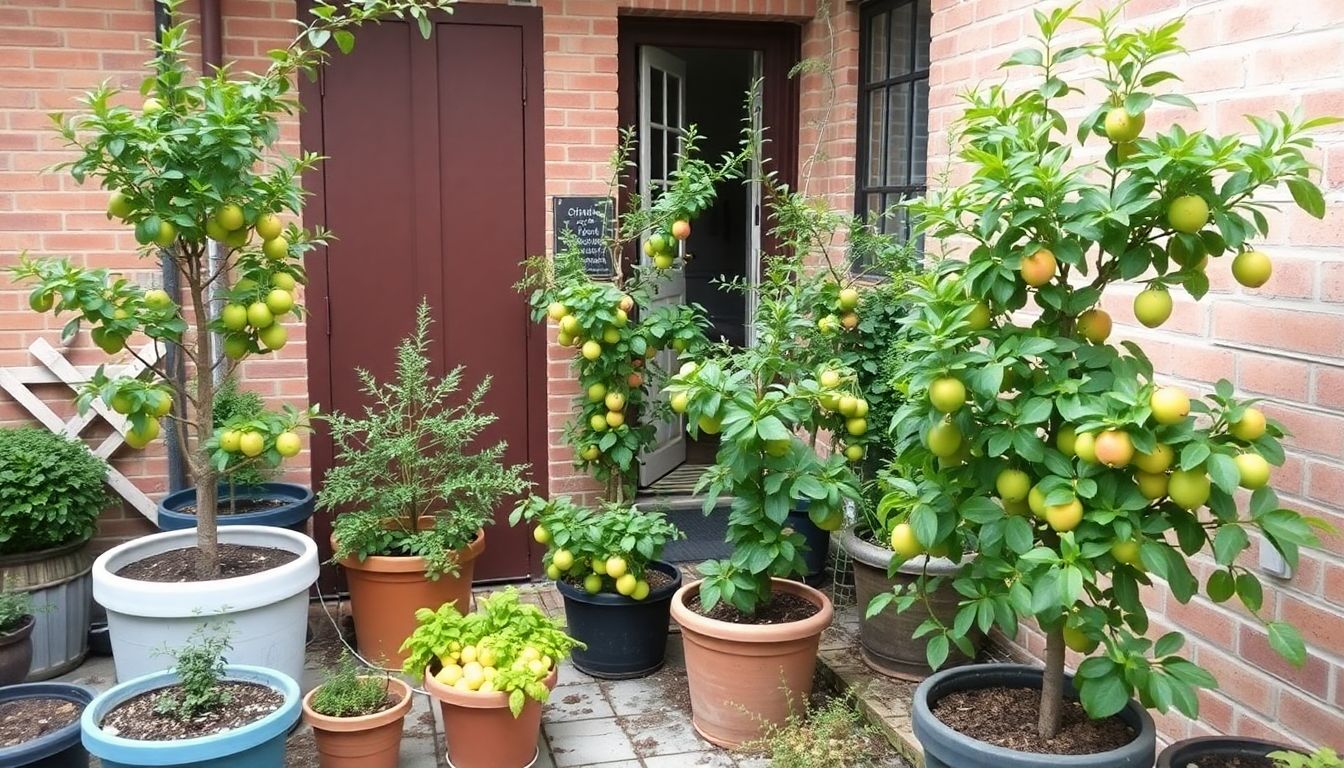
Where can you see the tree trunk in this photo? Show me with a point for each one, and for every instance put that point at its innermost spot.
(1052, 684)
(207, 527)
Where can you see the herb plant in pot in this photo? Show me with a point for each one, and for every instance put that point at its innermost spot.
(617, 593)
(248, 492)
(16, 636)
(202, 712)
(51, 491)
(357, 718)
(413, 493)
(39, 725)
(490, 671)
(1075, 477)
(196, 173)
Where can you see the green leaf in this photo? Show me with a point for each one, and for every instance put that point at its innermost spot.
(1222, 470)
(1103, 696)
(1177, 99)
(1285, 641)
(1308, 197)
(1230, 541)
(1168, 644)
(771, 428)
(936, 653)
(1025, 57)
(1249, 591)
(345, 40)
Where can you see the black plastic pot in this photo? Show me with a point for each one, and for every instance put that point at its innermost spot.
(626, 638)
(1183, 753)
(292, 514)
(946, 748)
(59, 749)
(818, 545)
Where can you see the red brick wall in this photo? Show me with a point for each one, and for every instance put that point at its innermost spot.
(1284, 342)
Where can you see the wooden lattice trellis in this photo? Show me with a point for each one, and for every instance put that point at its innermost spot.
(55, 369)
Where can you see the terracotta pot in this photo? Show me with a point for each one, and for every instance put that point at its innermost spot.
(385, 593)
(16, 652)
(746, 677)
(481, 731)
(369, 741)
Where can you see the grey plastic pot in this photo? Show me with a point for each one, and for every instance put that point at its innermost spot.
(1188, 751)
(59, 581)
(886, 641)
(946, 748)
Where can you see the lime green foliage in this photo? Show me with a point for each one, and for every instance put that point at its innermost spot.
(51, 490)
(577, 536)
(349, 691)
(1073, 554)
(830, 736)
(200, 670)
(1321, 758)
(241, 409)
(517, 633)
(415, 454)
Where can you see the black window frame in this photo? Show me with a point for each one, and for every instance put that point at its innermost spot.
(868, 12)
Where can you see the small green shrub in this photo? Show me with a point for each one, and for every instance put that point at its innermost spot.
(1321, 758)
(830, 736)
(14, 608)
(51, 490)
(348, 691)
(200, 670)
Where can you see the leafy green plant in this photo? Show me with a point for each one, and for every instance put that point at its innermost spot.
(15, 608)
(608, 549)
(349, 691)
(200, 667)
(832, 735)
(505, 646)
(196, 162)
(51, 490)
(1053, 455)
(409, 478)
(234, 408)
(1321, 758)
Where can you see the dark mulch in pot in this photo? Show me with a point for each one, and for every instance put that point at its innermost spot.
(179, 565)
(136, 719)
(1006, 717)
(783, 608)
(240, 507)
(1228, 761)
(23, 720)
(657, 579)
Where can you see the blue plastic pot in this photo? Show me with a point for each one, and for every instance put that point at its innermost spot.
(818, 544)
(260, 744)
(60, 748)
(294, 514)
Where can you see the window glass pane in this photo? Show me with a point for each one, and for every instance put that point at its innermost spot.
(877, 132)
(898, 139)
(877, 47)
(872, 206)
(657, 148)
(673, 101)
(656, 96)
(919, 150)
(902, 36)
(896, 222)
(922, 16)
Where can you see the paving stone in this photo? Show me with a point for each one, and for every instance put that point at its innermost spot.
(662, 733)
(707, 759)
(665, 691)
(582, 701)
(566, 674)
(588, 742)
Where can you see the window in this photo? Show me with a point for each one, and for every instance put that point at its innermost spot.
(893, 144)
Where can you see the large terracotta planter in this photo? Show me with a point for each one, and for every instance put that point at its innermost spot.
(370, 741)
(385, 593)
(886, 641)
(745, 678)
(482, 732)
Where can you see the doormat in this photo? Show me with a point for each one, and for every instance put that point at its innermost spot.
(704, 534)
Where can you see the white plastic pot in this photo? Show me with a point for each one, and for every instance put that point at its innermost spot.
(266, 613)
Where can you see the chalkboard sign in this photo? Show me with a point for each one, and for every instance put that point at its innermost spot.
(590, 219)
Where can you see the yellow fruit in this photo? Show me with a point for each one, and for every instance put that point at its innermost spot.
(1160, 460)
(259, 315)
(1152, 307)
(167, 234)
(279, 302)
(611, 336)
(854, 452)
(849, 321)
(1124, 151)
(268, 226)
(687, 368)
(1254, 470)
(230, 217)
(831, 521)
(591, 452)
(1114, 448)
(121, 403)
(1126, 551)
(641, 590)
(944, 439)
(626, 583)
(1152, 486)
(615, 401)
(1038, 268)
(469, 654)
(947, 394)
(615, 419)
(1189, 488)
(597, 422)
(140, 438)
(828, 324)
(616, 567)
(234, 316)
(681, 229)
(626, 304)
(980, 317)
(288, 444)
(1066, 439)
(1250, 427)
(553, 572)
(449, 675)
(591, 350)
(598, 566)
(856, 427)
(273, 336)
(1064, 517)
(230, 440)
(596, 392)
(1013, 485)
(680, 402)
(563, 559)
(778, 448)
(1078, 641)
(236, 346)
(109, 343)
(158, 298)
(1036, 501)
(829, 378)
(622, 320)
(1252, 268)
(1084, 447)
(569, 324)
(663, 261)
(1017, 507)
(151, 106)
(709, 425)
(848, 405)
(487, 656)
(252, 444)
(276, 249)
(903, 541)
(1122, 127)
(860, 408)
(43, 302)
(592, 583)
(1095, 326)
(118, 205)
(1188, 214)
(1170, 405)
(849, 299)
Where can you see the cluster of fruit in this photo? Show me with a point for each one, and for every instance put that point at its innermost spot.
(476, 667)
(848, 318)
(253, 309)
(615, 567)
(852, 407)
(251, 443)
(661, 247)
(153, 401)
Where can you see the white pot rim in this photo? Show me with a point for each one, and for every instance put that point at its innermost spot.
(202, 598)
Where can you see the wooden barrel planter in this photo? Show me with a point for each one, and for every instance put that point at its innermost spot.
(59, 582)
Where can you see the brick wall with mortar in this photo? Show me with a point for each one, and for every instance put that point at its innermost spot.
(1283, 342)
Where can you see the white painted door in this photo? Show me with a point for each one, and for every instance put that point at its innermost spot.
(662, 119)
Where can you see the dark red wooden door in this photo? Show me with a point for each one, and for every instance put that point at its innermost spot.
(433, 190)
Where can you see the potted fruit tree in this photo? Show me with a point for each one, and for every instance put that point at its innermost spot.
(201, 712)
(413, 493)
(490, 671)
(617, 592)
(357, 718)
(197, 164)
(1073, 475)
(51, 492)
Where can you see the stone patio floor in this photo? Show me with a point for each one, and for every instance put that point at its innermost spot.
(643, 723)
